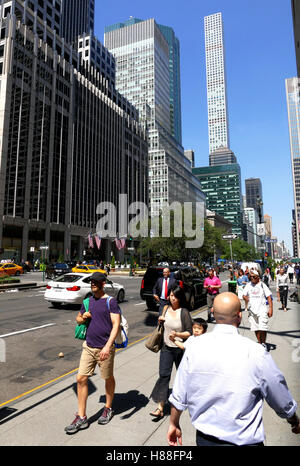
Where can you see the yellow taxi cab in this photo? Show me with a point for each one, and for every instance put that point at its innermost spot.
(10, 268)
(87, 269)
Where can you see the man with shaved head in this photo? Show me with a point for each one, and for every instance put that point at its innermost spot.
(225, 392)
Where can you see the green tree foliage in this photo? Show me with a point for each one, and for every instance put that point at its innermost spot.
(241, 251)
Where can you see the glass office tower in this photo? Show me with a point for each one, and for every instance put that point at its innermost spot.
(293, 106)
(142, 56)
(218, 127)
(222, 187)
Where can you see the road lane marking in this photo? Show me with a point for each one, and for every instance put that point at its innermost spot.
(27, 330)
(194, 313)
(139, 304)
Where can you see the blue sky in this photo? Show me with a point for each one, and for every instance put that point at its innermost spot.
(260, 55)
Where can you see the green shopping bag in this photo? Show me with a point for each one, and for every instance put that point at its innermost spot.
(81, 329)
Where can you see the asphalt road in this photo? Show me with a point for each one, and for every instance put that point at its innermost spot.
(34, 333)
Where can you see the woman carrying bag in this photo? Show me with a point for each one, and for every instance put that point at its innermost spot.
(177, 324)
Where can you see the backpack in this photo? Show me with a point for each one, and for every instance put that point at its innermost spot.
(122, 336)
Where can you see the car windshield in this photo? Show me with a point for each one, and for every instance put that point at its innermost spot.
(61, 266)
(68, 278)
(93, 267)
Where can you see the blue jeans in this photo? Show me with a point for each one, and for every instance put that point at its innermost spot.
(203, 440)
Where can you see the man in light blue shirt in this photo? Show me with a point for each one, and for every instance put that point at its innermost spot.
(225, 392)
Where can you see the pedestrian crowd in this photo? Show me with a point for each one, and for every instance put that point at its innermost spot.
(222, 378)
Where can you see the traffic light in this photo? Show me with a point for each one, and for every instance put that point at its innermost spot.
(266, 254)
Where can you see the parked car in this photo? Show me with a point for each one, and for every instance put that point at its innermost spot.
(190, 279)
(73, 288)
(87, 268)
(57, 269)
(10, 268)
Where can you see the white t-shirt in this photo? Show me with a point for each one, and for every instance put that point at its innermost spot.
(290, 269)
(257, 297)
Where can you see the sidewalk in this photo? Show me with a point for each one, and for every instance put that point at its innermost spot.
(39, 419)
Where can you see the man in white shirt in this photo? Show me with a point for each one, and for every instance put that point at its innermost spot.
(224, 393)
(258, 298)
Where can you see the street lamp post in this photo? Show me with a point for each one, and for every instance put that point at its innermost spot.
(259, 204)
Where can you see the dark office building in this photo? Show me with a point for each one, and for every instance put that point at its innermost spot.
(254, 193)
(68, 141)
(77, 19)
(222, 186)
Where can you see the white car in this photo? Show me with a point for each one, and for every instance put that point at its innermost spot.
(73, 288)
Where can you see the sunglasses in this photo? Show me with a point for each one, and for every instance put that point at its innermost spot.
(254, 276)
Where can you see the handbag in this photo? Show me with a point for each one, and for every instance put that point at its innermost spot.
(121, 340)
(81, 329)
(155, 341)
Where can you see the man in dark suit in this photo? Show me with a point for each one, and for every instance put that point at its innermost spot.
(162, 289)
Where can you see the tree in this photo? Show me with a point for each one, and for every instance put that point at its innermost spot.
(241, 251)
(171, 249)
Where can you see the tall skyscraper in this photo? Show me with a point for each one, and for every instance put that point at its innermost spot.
(142, 56)
(77, 19)
(218, 126)
(293, 106)
(175, 89)
(296, 22)
(253, 193)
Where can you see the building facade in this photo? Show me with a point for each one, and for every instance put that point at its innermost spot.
(296, 23)
(77, 19)
(222, 156)
(222, 187)
(251, 217)
(253, 188)
(293, 106)
(142, 57)
(68, 141)
(218, 125)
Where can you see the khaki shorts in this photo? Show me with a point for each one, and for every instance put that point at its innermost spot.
(258, 322)
(90, 358)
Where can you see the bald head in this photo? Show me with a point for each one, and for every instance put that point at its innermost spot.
(227, 309)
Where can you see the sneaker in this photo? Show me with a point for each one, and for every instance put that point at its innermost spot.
(106, 416)
(78, 424)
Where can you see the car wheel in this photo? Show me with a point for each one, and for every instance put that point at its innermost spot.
(192, 302)
(121, 296)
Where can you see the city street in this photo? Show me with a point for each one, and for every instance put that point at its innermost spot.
(35, 333)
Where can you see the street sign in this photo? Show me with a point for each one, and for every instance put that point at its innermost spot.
(130, 249)
(230, 236)
(270, 240)
(44, 248)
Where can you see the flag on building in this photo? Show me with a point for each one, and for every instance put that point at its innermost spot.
(123, 242)
(98, 241)
(91, 243)
(118, 243)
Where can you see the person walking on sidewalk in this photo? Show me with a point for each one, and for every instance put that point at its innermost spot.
(177, 324)
(282, 288)
(240, 375)
(98, 349)
(212, 284)
(291, 272)
(258, 298)
(163, 287)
